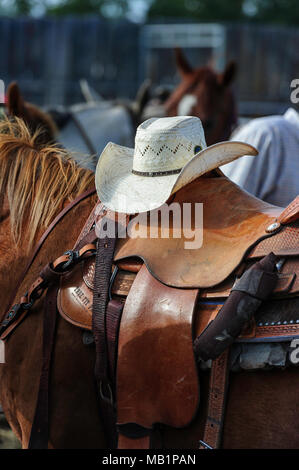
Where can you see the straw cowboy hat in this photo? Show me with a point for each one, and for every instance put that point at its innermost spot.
(169, 153)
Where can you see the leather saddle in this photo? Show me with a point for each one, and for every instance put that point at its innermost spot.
(166, 289)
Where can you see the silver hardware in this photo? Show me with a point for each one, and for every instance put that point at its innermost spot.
(205, 445)
(280, 264)
(273, 227)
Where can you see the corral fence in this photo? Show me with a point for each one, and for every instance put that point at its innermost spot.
(50, 56)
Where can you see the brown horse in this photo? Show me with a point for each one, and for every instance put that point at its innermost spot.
(32, 115)
(35, 183)
(207, 95)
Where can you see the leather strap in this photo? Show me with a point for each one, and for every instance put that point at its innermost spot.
(216, 402)
(125, 442)
(41, 241)
(114, 311)
(290, 213)
(103, 267)
(49, 275)
(88, 226)
(40, 427)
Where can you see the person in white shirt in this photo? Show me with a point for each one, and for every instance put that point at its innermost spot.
(273, 175)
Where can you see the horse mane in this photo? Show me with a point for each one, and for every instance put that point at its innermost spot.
(37, 179)
(37, 117)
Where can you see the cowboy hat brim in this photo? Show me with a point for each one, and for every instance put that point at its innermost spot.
(122, 191)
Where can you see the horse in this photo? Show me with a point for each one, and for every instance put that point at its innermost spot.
(83, 128)
(36, 183)
(273, 177)
(32, 115)
(206, 94)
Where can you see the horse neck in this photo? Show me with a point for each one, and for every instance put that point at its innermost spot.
(14, 259)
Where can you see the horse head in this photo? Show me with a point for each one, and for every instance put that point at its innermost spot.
(34, 117)
(206, 94)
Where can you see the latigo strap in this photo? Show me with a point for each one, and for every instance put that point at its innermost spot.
(103, 266)
(216, 402)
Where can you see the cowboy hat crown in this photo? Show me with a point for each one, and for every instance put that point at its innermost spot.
(169, 153)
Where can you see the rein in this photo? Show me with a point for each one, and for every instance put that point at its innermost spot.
(43, 238)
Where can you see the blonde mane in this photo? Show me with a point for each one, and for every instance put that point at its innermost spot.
(36, 179)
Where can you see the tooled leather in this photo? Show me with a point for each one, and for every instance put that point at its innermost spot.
(283, 243)
(291, 212)
(216, 402)
(88, 272)
(74, 300)
(75, 294)
(288, 283)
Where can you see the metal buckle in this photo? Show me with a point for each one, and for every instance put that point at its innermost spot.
(205, 445)
(28, 305)
(11, 315)
(108, 399)
(112, 279)
(73, 258)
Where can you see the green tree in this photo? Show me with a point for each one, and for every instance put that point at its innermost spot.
(16, 7)
(266, 11)
(277, 11)
(204, 10)
(113, 8)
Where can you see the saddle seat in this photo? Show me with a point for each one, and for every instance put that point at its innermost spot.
(233, 221)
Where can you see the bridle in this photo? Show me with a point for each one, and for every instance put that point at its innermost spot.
(42, 240)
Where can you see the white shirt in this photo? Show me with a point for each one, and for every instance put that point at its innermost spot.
(273, 175)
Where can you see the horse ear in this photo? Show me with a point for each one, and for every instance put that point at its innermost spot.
(182, 64)
(229, 74)
(15, 101)
(143, 95)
